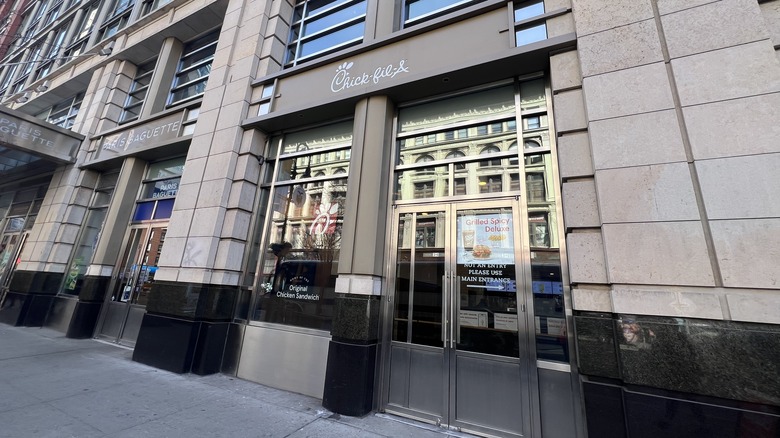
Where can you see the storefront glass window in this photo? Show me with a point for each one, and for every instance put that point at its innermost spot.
(298, 269)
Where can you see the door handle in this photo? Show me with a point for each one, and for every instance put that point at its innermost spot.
(445, 316)
(455, 326)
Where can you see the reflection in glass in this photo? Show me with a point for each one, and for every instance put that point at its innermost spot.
(550, 315)
(419, 272)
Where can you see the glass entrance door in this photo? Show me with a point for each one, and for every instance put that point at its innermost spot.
(458, 348)
(126, 305)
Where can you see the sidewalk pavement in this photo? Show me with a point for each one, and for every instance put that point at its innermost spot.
(52, 386)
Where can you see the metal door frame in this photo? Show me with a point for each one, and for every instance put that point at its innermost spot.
(450, 307)
(107, 301)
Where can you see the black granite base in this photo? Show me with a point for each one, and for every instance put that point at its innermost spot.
(210, 348)
(28, 310)
(618, 412)
(349, 380)
(38, 310)
(14, 308)
(723, 359)
(34, 282)
(181, 346)
(166, 343)
(84, 319)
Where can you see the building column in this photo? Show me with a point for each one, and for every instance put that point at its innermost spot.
(352, 354)
(191, 304)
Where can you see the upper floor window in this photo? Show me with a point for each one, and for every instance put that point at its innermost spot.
(47, 63)
(64, 113)
(416, 11)
(137, 93)
(116, 18)
(83, 30)
(194, 68)
(151, 5)
(530, 26)
(320, 27)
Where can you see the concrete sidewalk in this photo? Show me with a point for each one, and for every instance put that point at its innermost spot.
(51, 386)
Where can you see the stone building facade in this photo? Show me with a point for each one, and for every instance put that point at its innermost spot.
(546, 218)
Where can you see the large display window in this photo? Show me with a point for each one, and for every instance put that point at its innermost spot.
(308, 191)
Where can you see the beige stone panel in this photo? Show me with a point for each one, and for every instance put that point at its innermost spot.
(226, 140)
(560, 25)
(580, 208)
(672, 253)
(569, 111)
(207, 121)
(199, 252)
(166, 274)
(771, 13)
(172, 252)
(237, 91)
(741, 187)
(68, 233)
(620, 48)
(244, 68)
(60, 253)
(230, 255)
(75, 214)
(197, 276)
(565, 71)
(755, 307)
(193, 171)
(230, 113)
(627, 92)
(662, 192)
(213, 99)
(180, 223)
(247, 168)
(225, 278)
(242, 195)
(236, 225)
(220, 166)
(213, 193)
(626, 299)
(734, 127)
(730, 73)
(574, 157)
(748, 252)
(669, 6)
(592, 299)
(586, 257)
(207, 222)
(553, 5)
(650, 138)
(712, 26)
(597, 15)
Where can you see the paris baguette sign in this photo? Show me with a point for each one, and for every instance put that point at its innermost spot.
(344, 79)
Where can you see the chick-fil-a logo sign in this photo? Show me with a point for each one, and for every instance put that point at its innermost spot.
(343, 80)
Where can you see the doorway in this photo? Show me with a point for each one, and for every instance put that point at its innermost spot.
(125, 306)
(458, 333)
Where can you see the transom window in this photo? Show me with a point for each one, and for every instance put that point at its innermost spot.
(320, 27)
(194, 69)
(117, 18)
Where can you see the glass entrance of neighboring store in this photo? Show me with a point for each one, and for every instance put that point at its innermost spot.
(11, 244)
(128, 294)
(459, 347)
(127, 304)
